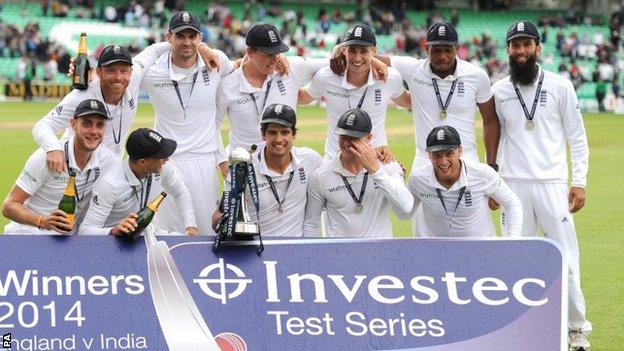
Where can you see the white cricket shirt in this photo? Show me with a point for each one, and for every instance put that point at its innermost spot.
(191, 123)
(342, 96)
(385, 189)
(122, 115)
(539, 155)
(472, 88)
(46, 188)
(290, 222)
(120, 192)
(235, 99)
(470, 216)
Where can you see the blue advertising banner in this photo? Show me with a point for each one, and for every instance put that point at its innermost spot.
(101, 293)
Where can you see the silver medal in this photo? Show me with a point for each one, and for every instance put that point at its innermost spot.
(442, 114)
(529, 124)
(358, 208)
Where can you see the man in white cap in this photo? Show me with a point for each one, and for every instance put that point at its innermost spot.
(454, 192)
(355, 189)
(540, 115)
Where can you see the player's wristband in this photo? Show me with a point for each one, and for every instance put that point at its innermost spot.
(494, 166)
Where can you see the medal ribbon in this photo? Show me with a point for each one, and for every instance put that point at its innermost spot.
(530, 116)
(355, 199)
(439, 96)
(461, 194)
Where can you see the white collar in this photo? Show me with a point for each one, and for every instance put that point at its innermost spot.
(246, 88)
(346, 85)
(265, 170)
(199, 65)
(130, 176)
(336, 166)
(93, 162)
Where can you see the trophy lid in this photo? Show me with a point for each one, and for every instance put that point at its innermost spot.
(239, 155)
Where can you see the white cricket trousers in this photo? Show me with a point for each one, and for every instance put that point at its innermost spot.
(545, 206)
(200, 177)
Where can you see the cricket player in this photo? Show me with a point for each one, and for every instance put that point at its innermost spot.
(282, 173)
(540, 116)
(357, 88)
(446, 90)
(32, 204)
(256, 84)
(128, 188)
(454, 192)
(118, 82)
(182, 89)
(355, 189)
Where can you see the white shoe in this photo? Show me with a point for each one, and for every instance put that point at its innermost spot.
(578, 341)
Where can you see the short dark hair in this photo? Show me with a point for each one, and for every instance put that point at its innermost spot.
(264, 126)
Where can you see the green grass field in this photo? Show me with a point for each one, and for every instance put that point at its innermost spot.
(598, 224)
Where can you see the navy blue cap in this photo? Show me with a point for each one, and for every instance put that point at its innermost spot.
(443, 138)
(442, 34)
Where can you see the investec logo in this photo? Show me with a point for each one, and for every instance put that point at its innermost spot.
(225, 282)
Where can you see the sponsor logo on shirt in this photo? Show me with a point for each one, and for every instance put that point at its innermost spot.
(162, 84)
(336, 188)
(29, 176)
(263, 185)
(128, 197)
(137, 62)
(243, 100)
(58, 109)
(337, 94)
(509, 99)
(428, 196)
(422, 82)
(60, 178)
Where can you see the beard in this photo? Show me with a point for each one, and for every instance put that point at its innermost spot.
(523, 73)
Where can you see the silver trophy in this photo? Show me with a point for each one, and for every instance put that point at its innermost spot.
(236, 222)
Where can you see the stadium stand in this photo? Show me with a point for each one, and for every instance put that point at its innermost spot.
(312, 29)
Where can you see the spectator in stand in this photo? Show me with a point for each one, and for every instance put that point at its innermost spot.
(323, 22)
(50, 69)
(26, 71)
(601, 92)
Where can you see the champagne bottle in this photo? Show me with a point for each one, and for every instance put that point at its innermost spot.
(146, 215)
(68, 202)
(80, 79)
